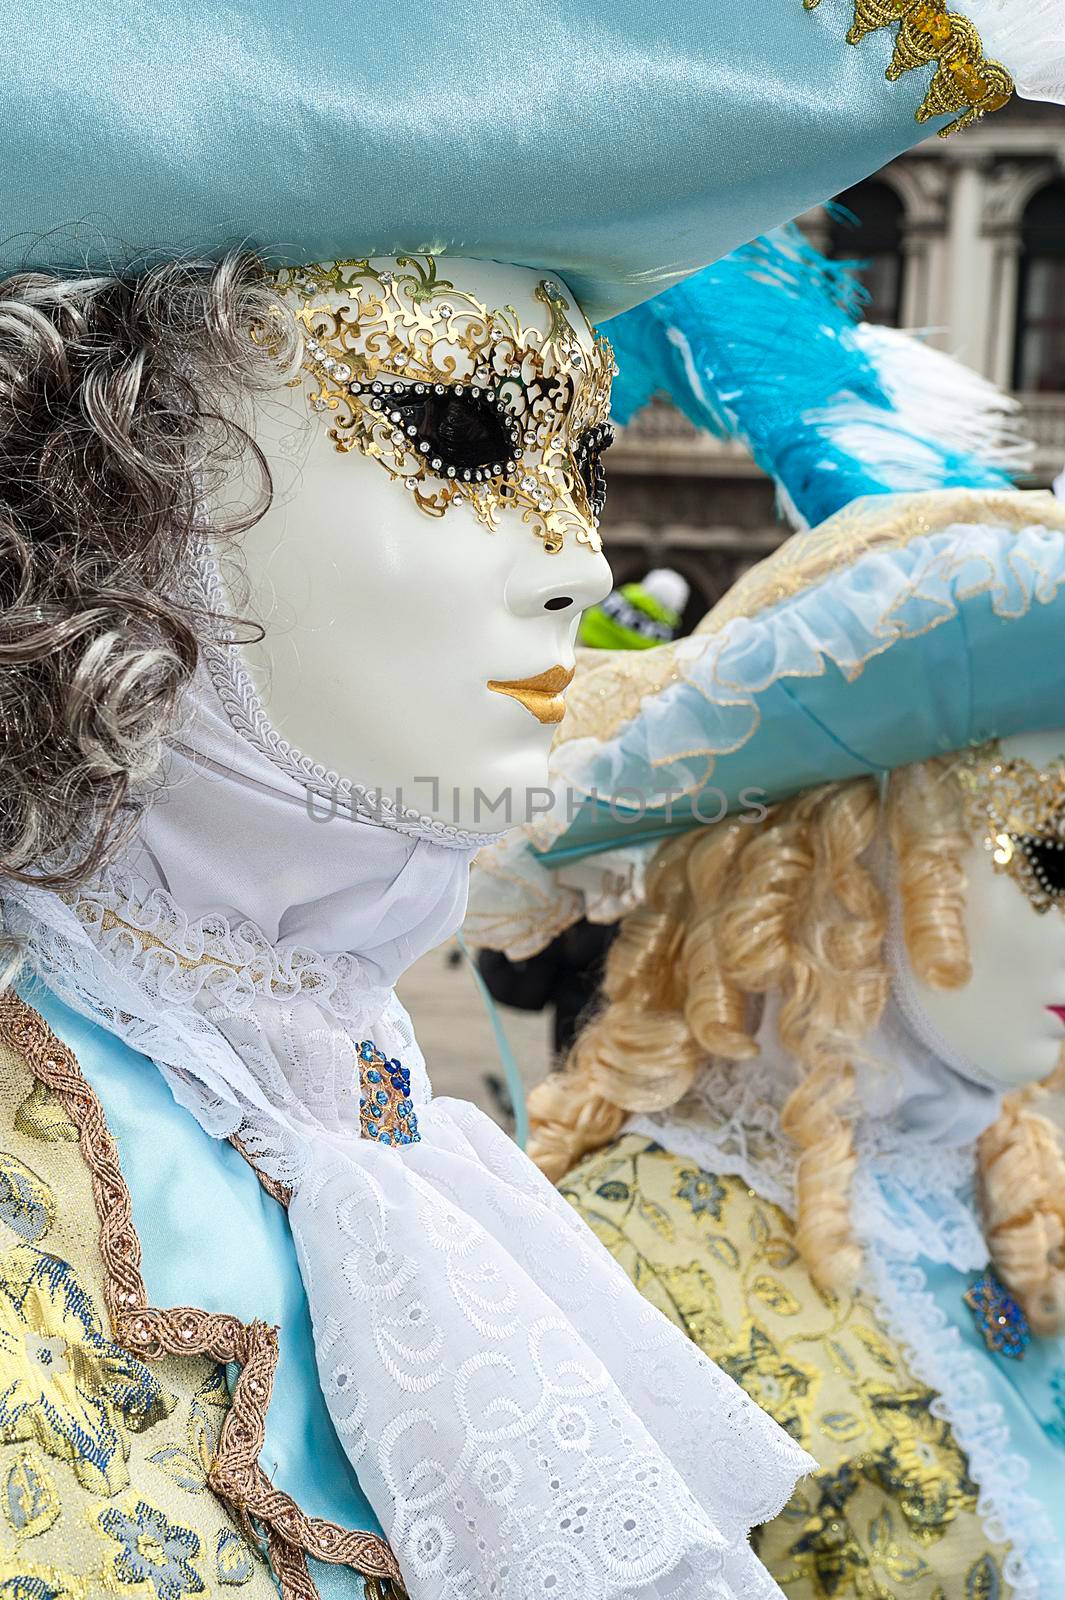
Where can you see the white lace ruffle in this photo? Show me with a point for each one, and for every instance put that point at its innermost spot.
(591, 1448)
(729, 1123)
(913, 1197)
(523, 1422)
(518, 905)
(919, 1202)
(150, 940)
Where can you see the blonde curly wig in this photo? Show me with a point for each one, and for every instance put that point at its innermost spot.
(786, 906)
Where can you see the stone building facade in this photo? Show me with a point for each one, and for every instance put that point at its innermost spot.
(963, 238)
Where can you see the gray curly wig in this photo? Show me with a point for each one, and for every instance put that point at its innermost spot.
(118, 400)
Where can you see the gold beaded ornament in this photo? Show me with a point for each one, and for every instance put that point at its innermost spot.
(459, 402)
(1018, 811)
(964, 81)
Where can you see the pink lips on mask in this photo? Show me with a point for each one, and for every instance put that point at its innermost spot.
(1059, 1012)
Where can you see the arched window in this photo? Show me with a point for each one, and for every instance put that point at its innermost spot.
(872, 236)
(1040, 348)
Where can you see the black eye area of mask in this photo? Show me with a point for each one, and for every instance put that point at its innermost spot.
(589, 457)
(1046, 856)
(457, 426)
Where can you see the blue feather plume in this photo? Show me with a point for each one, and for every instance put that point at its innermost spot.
(767, 347)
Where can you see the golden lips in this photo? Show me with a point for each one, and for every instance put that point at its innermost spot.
(541, 695)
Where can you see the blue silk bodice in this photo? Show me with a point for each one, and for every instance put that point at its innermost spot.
(212, 1237)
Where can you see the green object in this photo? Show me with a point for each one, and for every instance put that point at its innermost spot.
(628, 619)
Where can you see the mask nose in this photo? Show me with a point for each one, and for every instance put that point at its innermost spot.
(561, 585)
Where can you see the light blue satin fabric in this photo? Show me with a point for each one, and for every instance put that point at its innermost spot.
(619, 144)
(817, 689)
(1031, 1393)
(212, 1238)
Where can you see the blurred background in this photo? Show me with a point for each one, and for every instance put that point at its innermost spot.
(963, 238)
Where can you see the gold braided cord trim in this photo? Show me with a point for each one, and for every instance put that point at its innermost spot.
(964, 81)
(151, 1334)
(290, 1569)
(875, 522)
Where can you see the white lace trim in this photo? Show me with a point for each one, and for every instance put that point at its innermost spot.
(151, 941)
(915, 1197)
(592, 1449)
(243, 705)
(523, 1422)
(518, 905)
(729, 1123)
(234, 1056)
(919, 1201)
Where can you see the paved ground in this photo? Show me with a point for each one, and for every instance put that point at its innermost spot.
(456, 1036)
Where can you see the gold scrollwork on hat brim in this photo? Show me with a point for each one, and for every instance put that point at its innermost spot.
(965, 83)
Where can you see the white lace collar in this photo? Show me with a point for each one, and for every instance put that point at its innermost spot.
(487, 1366)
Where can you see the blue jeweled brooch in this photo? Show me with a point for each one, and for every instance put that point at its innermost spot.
(386, 1110)
(998, 1316)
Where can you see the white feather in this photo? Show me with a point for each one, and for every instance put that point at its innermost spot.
(937, 397)
(1028, 38)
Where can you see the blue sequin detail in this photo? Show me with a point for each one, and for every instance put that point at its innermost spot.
(998, 1316)
(386, 1114)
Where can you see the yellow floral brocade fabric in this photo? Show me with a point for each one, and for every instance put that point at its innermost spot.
(103, 1458)
(892, 1510)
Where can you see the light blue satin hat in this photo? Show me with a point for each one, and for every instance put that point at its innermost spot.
(618, 144)
(906, 626)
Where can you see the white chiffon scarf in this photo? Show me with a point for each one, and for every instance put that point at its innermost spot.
(523, 1422)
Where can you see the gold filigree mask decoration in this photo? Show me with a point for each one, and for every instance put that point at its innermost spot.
(460, 403)
(1018, 810)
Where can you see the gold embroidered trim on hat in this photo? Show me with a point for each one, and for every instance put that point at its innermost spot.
(964, 81)
(875, 522)
(611, 686)
(151, 1334)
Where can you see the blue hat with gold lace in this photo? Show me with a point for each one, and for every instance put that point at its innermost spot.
(620, 146)
(906, 626)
